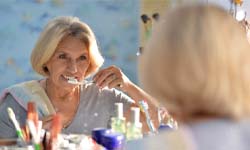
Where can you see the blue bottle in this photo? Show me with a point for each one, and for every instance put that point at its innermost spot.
(97, 134)
(113, 141)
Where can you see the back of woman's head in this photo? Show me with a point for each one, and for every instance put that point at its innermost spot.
(197, 63)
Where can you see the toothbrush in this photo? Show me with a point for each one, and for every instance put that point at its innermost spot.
(73, 80)
(144, 107)
(16, 124)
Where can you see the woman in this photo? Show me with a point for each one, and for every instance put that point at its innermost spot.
(67, 50)
(198, 57)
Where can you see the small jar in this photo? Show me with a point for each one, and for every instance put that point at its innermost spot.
(113, 141)
(97, 134)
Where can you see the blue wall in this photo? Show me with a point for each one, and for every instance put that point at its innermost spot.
(115, 23)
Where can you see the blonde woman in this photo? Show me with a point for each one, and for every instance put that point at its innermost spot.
(67, 50)
(197, 64)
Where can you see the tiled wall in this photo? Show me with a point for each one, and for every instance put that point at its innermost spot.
(115, 23)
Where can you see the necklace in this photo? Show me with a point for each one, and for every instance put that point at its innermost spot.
(76, 97)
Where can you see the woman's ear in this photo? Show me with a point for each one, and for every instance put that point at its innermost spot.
(45, 69)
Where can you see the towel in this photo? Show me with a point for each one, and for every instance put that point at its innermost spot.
(30, 91)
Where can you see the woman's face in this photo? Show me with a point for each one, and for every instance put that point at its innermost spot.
(71, 59)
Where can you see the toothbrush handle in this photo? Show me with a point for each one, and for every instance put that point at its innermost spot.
(149, 122)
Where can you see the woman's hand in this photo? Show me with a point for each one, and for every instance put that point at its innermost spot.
(112, 77)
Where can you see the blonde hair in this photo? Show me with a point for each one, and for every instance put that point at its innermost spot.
(54, 32)
(197, 62)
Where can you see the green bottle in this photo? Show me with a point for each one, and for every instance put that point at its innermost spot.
(118, 122)
(134, 127)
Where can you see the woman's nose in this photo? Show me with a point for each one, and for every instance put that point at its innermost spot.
(72, 66)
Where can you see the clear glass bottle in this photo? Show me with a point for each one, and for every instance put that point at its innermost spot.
(165, 120)
(134, 127)
(118, 122)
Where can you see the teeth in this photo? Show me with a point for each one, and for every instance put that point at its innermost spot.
(70, 78)
(73, 81)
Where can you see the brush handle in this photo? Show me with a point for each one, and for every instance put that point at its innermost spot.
(15, 122)
(144, 108)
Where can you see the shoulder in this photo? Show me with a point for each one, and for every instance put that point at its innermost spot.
(226, 132)
(31, 85)
(20, 92)
(22, 87)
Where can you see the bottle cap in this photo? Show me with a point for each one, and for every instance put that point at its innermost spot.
(135, 115)
(97, 134)
(163, 127)
(119, 110)
(113, 141)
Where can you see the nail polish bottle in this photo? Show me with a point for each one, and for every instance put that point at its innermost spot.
(134, 126)
(118, 122)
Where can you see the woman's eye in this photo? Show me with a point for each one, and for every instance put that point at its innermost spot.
(83, 57)
(62, 56)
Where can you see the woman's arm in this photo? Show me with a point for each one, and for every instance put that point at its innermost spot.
(113, 77)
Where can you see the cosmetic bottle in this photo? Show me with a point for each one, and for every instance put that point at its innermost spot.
(118, 121)
(97, 134)
(134, 126)
(113, 141)
(165, 120)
